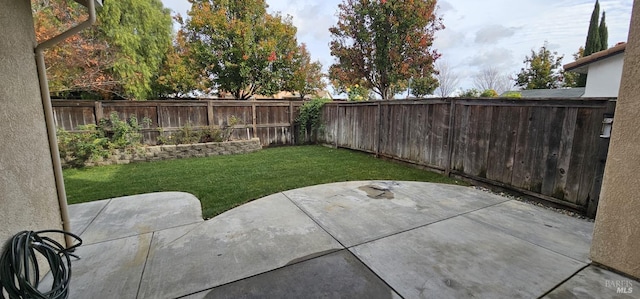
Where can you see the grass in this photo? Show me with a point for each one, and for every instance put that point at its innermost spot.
(224, 182)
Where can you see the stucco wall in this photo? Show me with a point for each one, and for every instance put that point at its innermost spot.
(28, 198)
(604, 77)
(616, 239)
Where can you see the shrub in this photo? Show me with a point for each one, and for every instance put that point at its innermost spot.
(512, 94)
(95, 142)
(470, 93)
(489, 93)
(78, 148)
(309, 119)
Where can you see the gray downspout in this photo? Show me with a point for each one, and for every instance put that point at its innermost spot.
(48, 113)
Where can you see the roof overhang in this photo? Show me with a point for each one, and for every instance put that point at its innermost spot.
(582, 65)
(84, 3)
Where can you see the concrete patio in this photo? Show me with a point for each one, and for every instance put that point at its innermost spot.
(368, 239)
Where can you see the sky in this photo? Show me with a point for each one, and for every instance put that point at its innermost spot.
(478, 34)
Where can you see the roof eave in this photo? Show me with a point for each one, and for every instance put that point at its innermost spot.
(581, 65)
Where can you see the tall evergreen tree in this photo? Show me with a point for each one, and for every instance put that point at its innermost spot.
(593, 43)
(604, 33)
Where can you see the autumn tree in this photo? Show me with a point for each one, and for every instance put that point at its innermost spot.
(543, 70)
(240, 47)
(178, 76)
(307, 76)
(490, 78)
(119, 56)
(382, 43)
(82, 62)
(448, 79)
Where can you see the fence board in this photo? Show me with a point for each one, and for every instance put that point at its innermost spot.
(274, 118)
(547, 148)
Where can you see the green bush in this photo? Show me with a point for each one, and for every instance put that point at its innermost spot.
(512, 94)
(78, 148)
(189, 134)
(309, 119)
(470, 93)
(95, 142)
(489, 93)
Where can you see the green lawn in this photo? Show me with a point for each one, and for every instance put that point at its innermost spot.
(224, 182)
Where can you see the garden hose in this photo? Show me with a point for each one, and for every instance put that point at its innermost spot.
(19, 270)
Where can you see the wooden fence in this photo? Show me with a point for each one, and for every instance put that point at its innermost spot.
(550, 149)
(271, 121)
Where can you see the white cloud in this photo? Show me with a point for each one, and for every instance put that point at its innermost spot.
(492, 33)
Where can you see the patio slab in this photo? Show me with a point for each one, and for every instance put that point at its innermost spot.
(121, 216)
(462, 258)
(335, 275)
(260, 236)
(565, 235)
(596, 283)
(405, 239)
(358, 212)
(83, 214)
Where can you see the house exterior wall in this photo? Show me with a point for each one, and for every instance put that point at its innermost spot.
(28, 199)
(616, 238)
(604, 77)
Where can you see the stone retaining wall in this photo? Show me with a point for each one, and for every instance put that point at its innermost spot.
(170, 152)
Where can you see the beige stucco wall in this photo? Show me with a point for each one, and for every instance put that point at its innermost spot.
(28, 198)
(616, 240)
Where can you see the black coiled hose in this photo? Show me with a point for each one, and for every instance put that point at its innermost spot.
(19, 270)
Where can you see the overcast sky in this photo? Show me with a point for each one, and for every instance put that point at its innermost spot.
(478, 34)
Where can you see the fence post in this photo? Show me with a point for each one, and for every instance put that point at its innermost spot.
(337, 124)
(209, 113)
(452, 113)
(291, 123)
(254, 119)
(378, 134)
(98, 112)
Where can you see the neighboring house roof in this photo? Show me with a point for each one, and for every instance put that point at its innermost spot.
(575, 92)
(580, 65)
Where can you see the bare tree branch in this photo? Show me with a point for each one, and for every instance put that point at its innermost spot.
(491, 78)
(447, 77)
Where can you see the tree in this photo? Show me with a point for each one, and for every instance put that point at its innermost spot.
(448, 79)
(141, 31)
(597, 39)
(604, 33)
(177, 77)
(592, 44)
(543, 70)
(379, 44)
(307, 75)
(423, 86)
(119, 56)
(79, 64)
(240, 47)
(491, 79)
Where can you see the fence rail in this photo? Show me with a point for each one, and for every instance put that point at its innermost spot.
(271, 121)
(546, 148)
